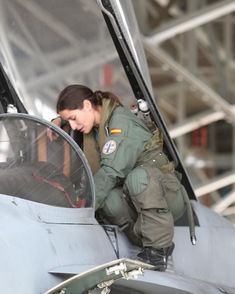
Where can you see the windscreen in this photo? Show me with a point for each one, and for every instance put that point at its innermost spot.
(39, 168)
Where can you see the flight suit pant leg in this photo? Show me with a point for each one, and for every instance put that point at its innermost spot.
(117, 211)
(154, 223)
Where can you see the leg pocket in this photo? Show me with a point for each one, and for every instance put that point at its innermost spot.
(173, 191)
(155, 222)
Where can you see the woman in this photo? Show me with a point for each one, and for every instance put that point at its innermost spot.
(129, 168)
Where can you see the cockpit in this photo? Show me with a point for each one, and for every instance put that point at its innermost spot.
(33, 167)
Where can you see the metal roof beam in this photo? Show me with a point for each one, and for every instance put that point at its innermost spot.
(224, 203)
(215, 184)
(210, 96)
(191, 21)
(195, 122)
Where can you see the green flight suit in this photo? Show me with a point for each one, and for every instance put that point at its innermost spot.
(124, 162)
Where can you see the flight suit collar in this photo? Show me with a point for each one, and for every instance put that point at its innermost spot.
(92, 146)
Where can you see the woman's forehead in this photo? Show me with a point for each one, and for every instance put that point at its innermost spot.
(68, 112)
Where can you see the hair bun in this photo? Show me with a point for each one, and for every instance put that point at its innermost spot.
(99, 95)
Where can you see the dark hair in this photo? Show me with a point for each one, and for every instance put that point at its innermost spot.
(72, 97)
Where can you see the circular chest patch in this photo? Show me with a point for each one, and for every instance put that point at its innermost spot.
(109, 147)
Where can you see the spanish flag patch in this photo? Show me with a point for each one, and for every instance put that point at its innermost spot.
(115, 131)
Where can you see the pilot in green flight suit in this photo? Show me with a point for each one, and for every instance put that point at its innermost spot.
(136, 186)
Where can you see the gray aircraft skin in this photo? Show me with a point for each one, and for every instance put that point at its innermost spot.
(48, 229)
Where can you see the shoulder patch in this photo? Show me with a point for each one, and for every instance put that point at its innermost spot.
(109, 147)
(115, 131)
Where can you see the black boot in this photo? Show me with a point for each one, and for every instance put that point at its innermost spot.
(156, 257)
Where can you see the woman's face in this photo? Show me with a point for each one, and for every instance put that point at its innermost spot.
(83, 119)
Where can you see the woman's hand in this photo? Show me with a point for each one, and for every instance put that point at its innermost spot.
(50, 133)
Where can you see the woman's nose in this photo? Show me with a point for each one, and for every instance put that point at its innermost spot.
(72, 124)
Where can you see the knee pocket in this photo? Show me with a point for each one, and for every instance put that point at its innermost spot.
(144, 187)
(137, 181)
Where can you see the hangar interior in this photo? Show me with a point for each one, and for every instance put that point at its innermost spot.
(46, 45)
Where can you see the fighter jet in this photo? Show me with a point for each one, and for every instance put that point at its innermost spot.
(50, 240)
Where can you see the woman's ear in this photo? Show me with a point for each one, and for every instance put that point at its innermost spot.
(87, 104)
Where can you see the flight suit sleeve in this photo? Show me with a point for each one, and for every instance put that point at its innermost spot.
(119, 155)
